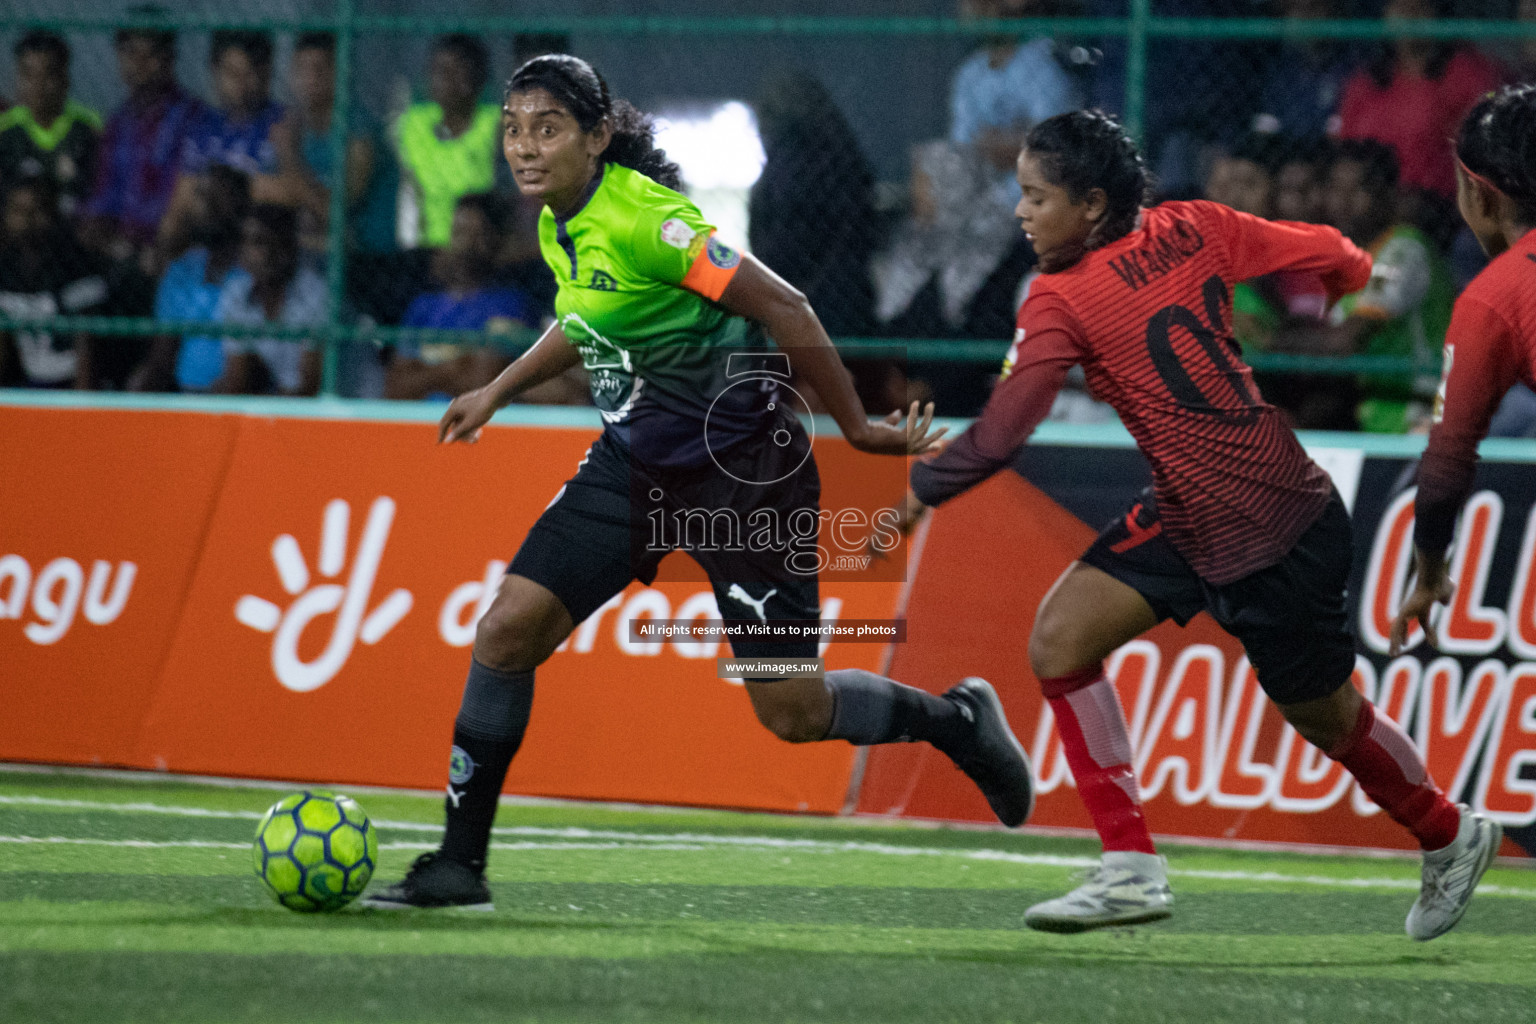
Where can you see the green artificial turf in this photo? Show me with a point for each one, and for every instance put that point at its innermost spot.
(116, 904)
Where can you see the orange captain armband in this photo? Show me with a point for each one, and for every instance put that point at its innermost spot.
(712, 269)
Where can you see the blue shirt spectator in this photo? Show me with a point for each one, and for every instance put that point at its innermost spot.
(477, 310)
(469, 300)
(238, 134)
(188, 292)
(242, 141)
(303, 304)
(1030, 87)
(1301, 96)
(142, 146)
(1305, 84)
(272, 287)
(445, 369)
(189, 288)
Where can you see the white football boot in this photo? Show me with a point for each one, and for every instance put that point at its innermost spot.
(1125, 888)
(1451, 874)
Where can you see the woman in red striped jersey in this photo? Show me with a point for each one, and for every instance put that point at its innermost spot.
(1238, 522)
(1491, 343)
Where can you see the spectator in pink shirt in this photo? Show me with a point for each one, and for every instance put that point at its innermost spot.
(1412, 97)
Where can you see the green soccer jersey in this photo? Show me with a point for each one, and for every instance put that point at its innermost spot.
(637, 267)
(1411, 294)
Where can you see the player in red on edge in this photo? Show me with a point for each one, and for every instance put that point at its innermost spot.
(1491, 342)
(1238, 522)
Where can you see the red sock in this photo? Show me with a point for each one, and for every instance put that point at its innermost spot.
(1098, 750)
(1392, 772)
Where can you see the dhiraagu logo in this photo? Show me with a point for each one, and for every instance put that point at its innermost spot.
(615, 388)
(349, 600)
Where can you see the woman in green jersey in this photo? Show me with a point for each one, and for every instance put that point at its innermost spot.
(673, 326)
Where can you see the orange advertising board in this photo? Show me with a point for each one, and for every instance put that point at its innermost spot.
(102, 514)
(294, 598)
(308, 602)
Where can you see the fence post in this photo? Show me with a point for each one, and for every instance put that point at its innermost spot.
(1136, 67)
(336, 235)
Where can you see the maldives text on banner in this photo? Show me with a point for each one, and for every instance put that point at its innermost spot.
(1213, 758)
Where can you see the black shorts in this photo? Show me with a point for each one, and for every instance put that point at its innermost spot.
(1291, 617)
(616, 519)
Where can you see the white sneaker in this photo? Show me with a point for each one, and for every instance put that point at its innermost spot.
(1451, 874)
(1125, 888)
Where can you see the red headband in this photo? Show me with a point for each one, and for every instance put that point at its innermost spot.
(1469, 172)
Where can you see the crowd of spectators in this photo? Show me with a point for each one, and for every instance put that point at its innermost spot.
(218, 212)
(1352, 134)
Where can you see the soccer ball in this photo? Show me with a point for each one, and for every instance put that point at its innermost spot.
(315, 850)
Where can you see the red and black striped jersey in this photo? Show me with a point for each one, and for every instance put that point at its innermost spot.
(1490, 345)
(1149, 318)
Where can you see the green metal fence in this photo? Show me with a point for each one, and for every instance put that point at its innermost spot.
(1140, 27)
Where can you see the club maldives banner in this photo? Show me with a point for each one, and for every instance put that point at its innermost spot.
(294, 598)
(1214, 759)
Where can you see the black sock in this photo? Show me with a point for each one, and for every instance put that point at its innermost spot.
(869, 709)
(486, 735)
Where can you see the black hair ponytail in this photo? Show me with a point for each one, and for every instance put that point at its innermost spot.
(1497, 141)
(581, 90)
(1088, 149)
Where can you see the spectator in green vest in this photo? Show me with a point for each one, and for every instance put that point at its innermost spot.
(449, 147)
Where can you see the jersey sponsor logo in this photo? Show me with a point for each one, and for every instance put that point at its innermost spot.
(602, 282)
(722, 255)
(677, 234)
(615, 388)
(1142, 266)
(597, 352)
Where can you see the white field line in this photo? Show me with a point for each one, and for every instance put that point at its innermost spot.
(871, 821)
(201, 844)
(1405, 884)
(614, 839)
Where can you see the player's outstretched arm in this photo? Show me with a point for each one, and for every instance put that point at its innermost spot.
(1482, 362)
(1259, 247)
(549, 357)
(759, 294)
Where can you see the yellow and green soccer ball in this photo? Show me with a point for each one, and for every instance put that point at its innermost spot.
(315, 850)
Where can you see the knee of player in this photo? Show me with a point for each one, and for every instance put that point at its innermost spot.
(792, 723)
(509, 641)
(1051, 652)
(1323, 735)
(1326, 723)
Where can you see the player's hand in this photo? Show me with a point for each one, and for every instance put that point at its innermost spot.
(911, 434)
(1429, 589)
(466, 415)
(909, 515)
